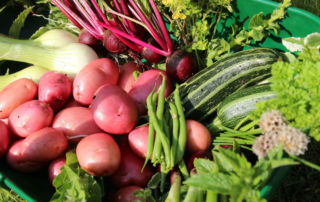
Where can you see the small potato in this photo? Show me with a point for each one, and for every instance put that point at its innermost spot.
(15, 94)
(126, 78)
(4, 139)
(55, 89)
(126, 194)
(16, 161)
(113, 110)
(44, 145)
(92, 76)
(145, 84)
(138, 140)
(75, 121)
(99, 154)
(30, 117)
(54, 167)
(198, 137)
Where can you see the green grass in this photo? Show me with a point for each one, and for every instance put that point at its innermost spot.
(9, 196)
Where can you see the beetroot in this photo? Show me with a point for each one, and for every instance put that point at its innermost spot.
(181, 65)
(150, 55)
(113, 43)
(86, 38)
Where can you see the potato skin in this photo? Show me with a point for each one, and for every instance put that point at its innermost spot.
(126, 79)
(129, 171)
(138, 140)
(198, 137)
(75, 121)
(145, 84)
(30, 117)
(113, 110)
(17, 162)
(15, 94)
(44, 145)
(54, 167)
(99, 154)
(126, 194)
(4, 139)
(92, 76)
(55, 89)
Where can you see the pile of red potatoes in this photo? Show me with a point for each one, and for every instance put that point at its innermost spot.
(96, 113)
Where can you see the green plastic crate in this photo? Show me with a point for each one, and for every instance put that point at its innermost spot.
(298, 23)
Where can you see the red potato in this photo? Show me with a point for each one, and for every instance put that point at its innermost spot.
(145, 84)
(99, 154)
(126, 194)
(113, 110)
(198, 137)
(138, 140)
(92, 76)
(129, 171)
(12, 137)
(75, 121)
(16, 161)
(126, 78)
(55, 89)
(54, 167)
(30, 117)
(72, 103)
(46, 144)
(4, 139)
(15, 94)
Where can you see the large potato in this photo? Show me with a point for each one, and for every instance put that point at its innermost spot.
(113, 110)
(75, 121)
(99, 154)
(126, 78)
(55, 89)
(144, 86)
(17, 162)
(92, 76)
(15, 94)
(4, 139)
(44, 145)
(30, 117)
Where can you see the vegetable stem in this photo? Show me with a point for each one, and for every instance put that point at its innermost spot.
(183, 169)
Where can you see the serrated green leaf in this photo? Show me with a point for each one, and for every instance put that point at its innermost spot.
(71, 157)
(203, 165)
(155, 180)
(15, 28)
(237, 161)
(39, 32)
(275, 27)
(293, 44)
(217, 182)
(313, 40)
(257, 35)
(234, 28)
(256, 20)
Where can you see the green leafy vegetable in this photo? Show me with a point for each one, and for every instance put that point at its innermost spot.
(74, 183)
(203, 165)
(18, 23)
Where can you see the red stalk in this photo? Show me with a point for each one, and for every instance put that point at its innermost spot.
(66, 14)
(73, 17)
(124, 40)
(155, 35)
(142, 43)
(163, 26)
(127, 13)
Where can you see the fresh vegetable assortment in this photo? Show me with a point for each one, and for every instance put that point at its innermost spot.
(109, 127)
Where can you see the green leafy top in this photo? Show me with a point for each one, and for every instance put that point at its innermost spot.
(75, 184)
(236, 176)
(297, 84)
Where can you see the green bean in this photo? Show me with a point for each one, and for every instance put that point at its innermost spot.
(166, 130)
(182, 127)
(175, 131)
(157, 125)
(157, 142)
(163, 177)
(183, 169)
(153, 98)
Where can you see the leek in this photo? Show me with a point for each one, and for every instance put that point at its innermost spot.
(33, 72)
(69, 59)
(54, 38)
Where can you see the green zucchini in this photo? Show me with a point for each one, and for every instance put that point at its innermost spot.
(203, 92)
(239, 105)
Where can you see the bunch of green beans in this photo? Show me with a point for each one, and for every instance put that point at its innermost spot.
(169, 124)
